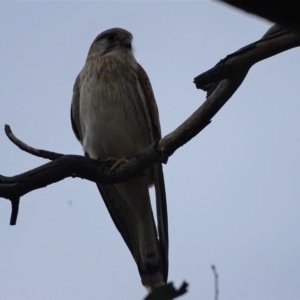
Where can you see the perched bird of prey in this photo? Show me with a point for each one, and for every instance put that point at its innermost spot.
(114, 114)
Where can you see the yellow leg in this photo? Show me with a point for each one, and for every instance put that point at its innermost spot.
(116, 162)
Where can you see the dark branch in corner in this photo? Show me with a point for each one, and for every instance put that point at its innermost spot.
(282, 12)
(220, 83)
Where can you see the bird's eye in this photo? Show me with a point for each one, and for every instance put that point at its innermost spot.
(128, 46)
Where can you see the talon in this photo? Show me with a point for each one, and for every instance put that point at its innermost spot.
(116, 162)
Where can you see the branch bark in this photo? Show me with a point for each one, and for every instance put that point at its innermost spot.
(220, 82)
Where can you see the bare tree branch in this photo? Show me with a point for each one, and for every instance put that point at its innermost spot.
(223, 80)
(63, 166)
(220, 82)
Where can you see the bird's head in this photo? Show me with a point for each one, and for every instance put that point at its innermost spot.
(111, 40)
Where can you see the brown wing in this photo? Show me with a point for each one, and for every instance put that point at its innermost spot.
(152, 106)
(160, 193)
(75, 109)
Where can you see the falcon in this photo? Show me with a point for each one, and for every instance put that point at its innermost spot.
(114, 115)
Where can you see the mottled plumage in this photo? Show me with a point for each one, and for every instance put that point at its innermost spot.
(114, 114)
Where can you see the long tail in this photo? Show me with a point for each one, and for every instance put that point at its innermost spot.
(129, 206)
(162, 216)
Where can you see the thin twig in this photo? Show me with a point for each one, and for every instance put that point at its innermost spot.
(14, 210)
(216, 281)
(34, 151)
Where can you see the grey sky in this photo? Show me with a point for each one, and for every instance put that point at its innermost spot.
(233, 192)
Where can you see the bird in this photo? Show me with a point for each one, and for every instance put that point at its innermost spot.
(114, 115)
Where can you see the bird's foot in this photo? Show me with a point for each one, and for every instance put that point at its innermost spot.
(116, 162)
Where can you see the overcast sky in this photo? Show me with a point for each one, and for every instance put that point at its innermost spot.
(233, 191)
